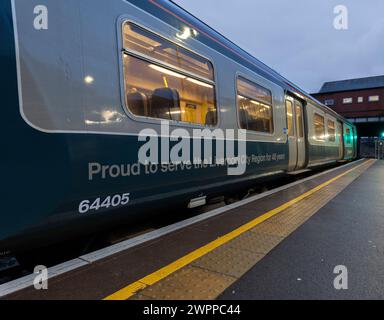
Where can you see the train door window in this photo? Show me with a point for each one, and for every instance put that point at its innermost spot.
(166, 81)
(331, 131)
(289, 110)
(348, 139)
(299, 119)
(255, 106)
(318, 122)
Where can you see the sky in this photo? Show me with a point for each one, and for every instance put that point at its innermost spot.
(298, 39)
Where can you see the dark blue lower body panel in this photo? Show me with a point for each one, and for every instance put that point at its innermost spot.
(48, 178)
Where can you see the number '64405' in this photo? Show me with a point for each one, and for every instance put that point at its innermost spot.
(110, 201)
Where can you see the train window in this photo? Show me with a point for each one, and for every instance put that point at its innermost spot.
(318, 122)
(167, 89)
(331, 131)
(255, 106)
(299, 119)
(348, 139)
(373, 98)
(139, 40)
(289, 108)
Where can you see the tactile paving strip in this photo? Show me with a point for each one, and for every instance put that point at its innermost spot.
(189, 283)
(229, 260)
(208, 276)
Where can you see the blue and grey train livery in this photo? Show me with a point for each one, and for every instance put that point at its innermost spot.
(81, 79)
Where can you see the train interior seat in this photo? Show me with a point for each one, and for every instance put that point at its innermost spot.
(138, 103)
(166, 104)
(243, 117)
(211, 118)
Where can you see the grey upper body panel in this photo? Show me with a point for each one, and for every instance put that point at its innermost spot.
(84, 40)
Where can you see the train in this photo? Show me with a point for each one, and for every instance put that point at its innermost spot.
(81, 80)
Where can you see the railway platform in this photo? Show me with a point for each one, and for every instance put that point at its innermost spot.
(285, 243)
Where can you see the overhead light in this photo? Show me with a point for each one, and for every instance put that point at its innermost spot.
(89, 80)
(109, 115)
(186, 33)
(105, 117)
(176, 112)
(200, 83)
(166, 71)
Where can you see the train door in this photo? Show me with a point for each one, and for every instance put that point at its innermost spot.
(291, 132)
(296, 139)
(300, 134)
(341, 140)
(355, 143)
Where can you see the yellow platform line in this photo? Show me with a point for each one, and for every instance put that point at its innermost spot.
(162, 273)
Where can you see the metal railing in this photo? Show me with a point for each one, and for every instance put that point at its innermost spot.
(372, 147)
(379, 149)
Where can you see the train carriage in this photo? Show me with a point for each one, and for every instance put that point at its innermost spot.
(79, 88)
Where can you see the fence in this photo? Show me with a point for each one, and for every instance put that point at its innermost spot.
(371, 148)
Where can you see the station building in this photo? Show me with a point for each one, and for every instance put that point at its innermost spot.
(361, 101)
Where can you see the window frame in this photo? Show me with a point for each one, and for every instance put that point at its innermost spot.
(290, 133)
(299, 124)
(334, 128)
(348, 98)
(151, 120)
(257, 83)
(348, 141)
(314, 127)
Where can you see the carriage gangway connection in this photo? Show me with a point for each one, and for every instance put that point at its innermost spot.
(286, 243)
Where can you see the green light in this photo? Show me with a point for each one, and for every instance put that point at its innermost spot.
(382, 134)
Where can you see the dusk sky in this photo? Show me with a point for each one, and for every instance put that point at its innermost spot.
(297, 38)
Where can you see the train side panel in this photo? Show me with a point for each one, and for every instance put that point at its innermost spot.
(77, 144)
(71, 162)
(324, 138)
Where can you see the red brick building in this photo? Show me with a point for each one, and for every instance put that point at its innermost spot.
(359, 100)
